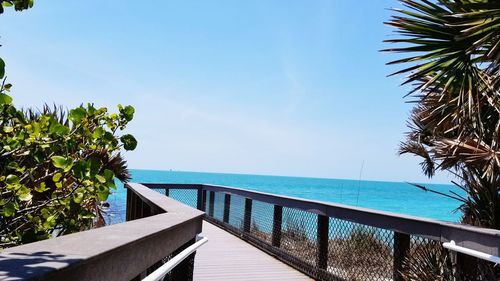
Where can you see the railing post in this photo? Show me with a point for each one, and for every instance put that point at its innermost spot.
(128, 208)
(322, 237)
(204, 200)
(137, 208)
(227, 204)
(133, 209)
(277, 222)
(140, 212)
(200, 199)
(211, 204)
(146, 210)
(401, 253)
(247, 218)
(167, 192)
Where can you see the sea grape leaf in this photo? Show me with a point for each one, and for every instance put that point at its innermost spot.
(128, 112)
(129, 142)
(76, 115)
(8, 209)
(100, 178)
(59, 162)
(98, 132)
(57, 177)
(5, 99)
(12, 179)
(41, 188)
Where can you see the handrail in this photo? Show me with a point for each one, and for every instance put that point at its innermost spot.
(173, 262)
(429, 228)
(454, 247)
(398, 232)
(162, 227)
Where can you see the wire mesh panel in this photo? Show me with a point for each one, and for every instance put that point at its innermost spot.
(299, 235)
(219, 206)
(186, 196)
(237, 211)
(262, 220)
(206, 200)
(359, 252)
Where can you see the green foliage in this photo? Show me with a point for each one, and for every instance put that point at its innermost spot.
(19, 5)
(452, 58)
(453, 61)
(56, 167)
(54, 172)
(129, 142)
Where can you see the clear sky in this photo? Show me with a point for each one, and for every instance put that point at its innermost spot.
(262, 87)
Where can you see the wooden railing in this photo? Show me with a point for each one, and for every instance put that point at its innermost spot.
(157, 227)
(328, 239)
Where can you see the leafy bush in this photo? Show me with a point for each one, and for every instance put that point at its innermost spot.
(54, 171)
(56, 167)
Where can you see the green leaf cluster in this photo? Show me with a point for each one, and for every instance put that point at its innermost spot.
(56, 166)
(55, 171)
(19, 5)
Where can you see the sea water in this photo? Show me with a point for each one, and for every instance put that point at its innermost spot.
(397, 197)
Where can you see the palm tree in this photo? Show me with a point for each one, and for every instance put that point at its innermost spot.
(454, 70)
(452, 54)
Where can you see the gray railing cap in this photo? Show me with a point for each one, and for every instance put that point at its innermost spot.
(115, 252)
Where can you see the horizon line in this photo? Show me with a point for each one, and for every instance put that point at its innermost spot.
(288, 176)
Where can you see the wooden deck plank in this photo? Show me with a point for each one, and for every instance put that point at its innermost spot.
(227, 257)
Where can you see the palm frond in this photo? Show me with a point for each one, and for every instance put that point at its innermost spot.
(58, 112)
(118, 165)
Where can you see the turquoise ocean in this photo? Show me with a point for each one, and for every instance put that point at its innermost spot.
(398, 197)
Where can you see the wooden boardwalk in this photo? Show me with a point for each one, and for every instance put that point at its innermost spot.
(227, 257)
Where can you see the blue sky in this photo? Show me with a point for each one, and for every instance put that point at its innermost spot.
(263, 87)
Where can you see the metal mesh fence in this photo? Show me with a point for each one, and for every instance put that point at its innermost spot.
(298, 237)
(219, 206)
(186, 196)
(353, 251)
(237, 211)
(261, 224)
(427, 258)
(359, 252)
(205, 199)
